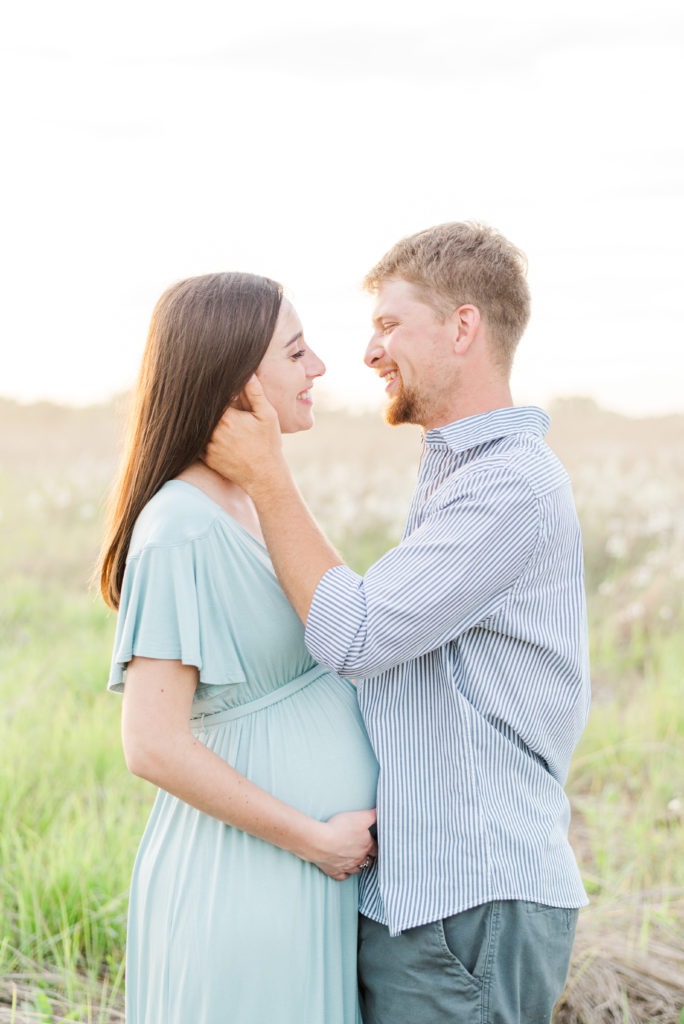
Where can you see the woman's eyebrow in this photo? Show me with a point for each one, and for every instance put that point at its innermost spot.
(296, 337)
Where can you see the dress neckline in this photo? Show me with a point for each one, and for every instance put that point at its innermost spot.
(222, 512)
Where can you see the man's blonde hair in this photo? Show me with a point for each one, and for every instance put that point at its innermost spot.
(460, 263)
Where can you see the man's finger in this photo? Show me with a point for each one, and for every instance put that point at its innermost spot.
(254, 397)
(240, 403)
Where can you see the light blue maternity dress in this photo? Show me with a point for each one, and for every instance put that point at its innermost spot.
(225, 928)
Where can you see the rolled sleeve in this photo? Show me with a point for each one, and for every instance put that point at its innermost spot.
(337, 613)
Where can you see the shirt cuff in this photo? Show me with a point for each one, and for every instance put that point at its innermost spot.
(336, 614)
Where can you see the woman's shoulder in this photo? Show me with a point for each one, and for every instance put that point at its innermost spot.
(178, 513)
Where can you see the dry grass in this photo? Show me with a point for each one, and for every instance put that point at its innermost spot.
(26, 999)
(628, 964)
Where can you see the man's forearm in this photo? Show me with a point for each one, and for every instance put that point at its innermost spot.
(246, 448)
(300, 553)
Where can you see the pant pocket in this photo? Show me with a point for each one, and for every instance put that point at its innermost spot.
(468, 937)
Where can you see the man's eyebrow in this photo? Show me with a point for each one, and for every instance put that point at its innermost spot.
(293, 339)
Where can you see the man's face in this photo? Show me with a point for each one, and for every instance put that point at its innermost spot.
(411, 351)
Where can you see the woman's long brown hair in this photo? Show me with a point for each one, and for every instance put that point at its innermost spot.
(207, 337)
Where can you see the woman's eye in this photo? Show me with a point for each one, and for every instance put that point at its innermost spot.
(299, 354)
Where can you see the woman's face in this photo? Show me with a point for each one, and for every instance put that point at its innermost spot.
(287, 372)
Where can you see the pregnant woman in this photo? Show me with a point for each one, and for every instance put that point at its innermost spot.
(243, 903)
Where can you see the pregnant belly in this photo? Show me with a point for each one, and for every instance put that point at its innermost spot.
(310, 750)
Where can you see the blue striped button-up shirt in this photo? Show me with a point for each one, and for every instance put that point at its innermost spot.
(469, 642)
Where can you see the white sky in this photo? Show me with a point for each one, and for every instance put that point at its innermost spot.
(149, 140)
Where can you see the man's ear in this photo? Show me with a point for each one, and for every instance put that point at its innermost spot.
(466, 320)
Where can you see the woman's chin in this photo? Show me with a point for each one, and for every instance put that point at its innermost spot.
(305, 419)
(298, 424)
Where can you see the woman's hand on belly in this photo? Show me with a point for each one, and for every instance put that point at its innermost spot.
(344, 843)
(160, 747)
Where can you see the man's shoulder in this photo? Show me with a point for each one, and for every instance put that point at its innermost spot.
(517, 461)
(531, 457)
(527, 457)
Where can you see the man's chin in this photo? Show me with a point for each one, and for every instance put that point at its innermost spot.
(401, 409)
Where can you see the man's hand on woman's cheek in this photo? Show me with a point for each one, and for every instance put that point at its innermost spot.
(245, 446)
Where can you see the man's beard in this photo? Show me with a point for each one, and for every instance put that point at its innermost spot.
(406, 407)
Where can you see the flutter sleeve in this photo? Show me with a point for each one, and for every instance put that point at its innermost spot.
(164, 613)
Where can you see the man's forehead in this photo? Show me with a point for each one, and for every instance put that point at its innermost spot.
(394, 294)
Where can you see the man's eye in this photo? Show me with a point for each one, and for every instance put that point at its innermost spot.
(386, 328)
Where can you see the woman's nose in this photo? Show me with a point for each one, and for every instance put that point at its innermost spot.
(316, 367)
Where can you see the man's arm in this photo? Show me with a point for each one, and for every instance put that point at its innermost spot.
(246, 448)
(451, 573)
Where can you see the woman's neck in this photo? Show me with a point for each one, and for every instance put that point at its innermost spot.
(225, 493)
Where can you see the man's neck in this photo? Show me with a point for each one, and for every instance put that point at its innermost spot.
(472, 403)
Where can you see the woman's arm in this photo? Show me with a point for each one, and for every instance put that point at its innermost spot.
(159, 746)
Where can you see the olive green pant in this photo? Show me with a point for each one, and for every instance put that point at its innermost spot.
(500, 963)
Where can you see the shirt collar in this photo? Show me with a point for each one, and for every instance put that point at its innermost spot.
(490, 426)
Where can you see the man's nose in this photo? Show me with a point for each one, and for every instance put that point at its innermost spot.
(374, 350)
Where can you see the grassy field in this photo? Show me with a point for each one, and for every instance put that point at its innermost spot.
(71, 815)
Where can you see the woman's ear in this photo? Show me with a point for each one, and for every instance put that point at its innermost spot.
(241, 401)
